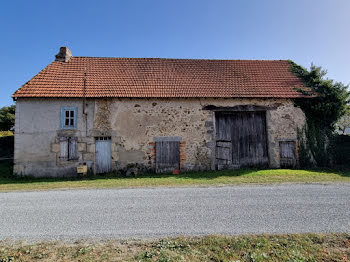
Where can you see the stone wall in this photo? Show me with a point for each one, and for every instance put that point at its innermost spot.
(138, 121)
(133, 125)
(37, 134)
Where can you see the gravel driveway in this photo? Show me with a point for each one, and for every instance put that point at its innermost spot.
(158, 212)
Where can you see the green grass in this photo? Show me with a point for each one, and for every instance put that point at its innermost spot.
(211, 178)
(296, 247)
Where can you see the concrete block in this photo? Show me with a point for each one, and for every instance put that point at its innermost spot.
(88, 157)
(91, 148)
(82, 147)
(88, 140)
(55, 148)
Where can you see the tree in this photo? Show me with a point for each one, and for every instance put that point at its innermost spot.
(344, 122)
(326, 104)
(7, 118)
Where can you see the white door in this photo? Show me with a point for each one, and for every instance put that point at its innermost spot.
(103, 155)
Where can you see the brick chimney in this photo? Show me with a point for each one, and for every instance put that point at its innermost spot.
(64, 55)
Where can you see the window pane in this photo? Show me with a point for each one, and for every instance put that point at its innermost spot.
(68, 117)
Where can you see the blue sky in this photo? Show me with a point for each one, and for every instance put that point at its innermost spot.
(305, 31)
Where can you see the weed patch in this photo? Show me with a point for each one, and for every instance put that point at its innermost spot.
(294, 247)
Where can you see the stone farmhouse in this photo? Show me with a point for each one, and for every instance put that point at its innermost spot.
(156, 114)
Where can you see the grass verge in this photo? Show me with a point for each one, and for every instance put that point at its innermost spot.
(296, 247)
(211, 178)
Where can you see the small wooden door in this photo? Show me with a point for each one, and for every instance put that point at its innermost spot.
(287, 154)
(224, 154)
(103, 155)
(167, 156)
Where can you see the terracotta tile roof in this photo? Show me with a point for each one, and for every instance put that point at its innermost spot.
(158, 77)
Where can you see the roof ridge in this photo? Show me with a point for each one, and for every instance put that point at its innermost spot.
(167, 58)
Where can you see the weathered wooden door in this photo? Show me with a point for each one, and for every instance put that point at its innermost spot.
(243, 135)
(103, 155)
(167, 156)
(287, 154)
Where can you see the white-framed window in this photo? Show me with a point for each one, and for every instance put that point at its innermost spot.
(69, 117)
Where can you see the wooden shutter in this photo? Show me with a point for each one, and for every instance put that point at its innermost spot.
(64, 148)
(73, 148)
(167, 156)
(287, 154)
(69, 148)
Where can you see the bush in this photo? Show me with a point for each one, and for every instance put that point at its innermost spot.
(339, 150)
(7, 117)
(6, 170)
(6, 146)
(325, 103)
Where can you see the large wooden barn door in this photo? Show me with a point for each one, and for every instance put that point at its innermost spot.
(241, 139)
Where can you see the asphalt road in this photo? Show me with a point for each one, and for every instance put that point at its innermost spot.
(158, 212)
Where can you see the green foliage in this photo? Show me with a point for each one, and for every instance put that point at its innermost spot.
(344, 122)
(339, 148)
(304, 153)
(7, 118)
(325, 105)
(6, 146)
(6, 171)
(329, 99)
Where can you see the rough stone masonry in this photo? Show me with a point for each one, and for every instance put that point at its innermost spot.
(133, 125)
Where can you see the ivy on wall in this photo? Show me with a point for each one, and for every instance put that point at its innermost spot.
(325, 104)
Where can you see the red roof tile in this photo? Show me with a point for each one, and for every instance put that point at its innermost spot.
(159, 77)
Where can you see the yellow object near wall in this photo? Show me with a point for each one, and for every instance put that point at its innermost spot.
(82, 169)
